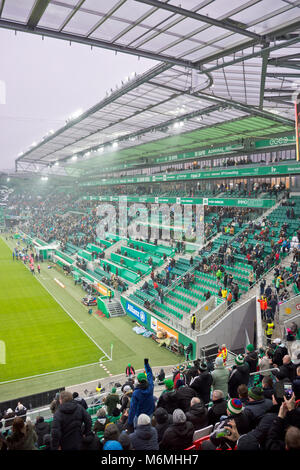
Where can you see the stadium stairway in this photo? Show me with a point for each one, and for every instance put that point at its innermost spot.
(115, 308)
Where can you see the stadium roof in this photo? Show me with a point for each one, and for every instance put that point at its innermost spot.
(218, 62)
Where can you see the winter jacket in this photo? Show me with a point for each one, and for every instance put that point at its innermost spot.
(258, 408)
(184, 396)
(177, 437)
(162, 421)
(198, 416)
(201, 385)
(296, 387)
(278, 355)
(144, 438)
(111, 402)
(168, 401)
(252, 360)
(238, 376)
(41, 429)
(25, 441)
(220, 378)
(67, 426)
(142, 400)
(218, 409)
(286, 371)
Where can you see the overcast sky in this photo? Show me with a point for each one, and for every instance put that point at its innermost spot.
(46, 81)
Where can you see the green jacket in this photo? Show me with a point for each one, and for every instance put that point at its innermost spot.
(111, 401)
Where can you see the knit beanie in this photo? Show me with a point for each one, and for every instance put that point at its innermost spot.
(112, 445)
(143, 419)
(250, 347)
(113, 390)
(203, 366)
(142, 377)
(169, 384)
(178, 416)
(219, 362)
(239, 360)
(255, 393)
(234, 406)
(127, 388)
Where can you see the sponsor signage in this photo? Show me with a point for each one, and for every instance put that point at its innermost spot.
(138, 313)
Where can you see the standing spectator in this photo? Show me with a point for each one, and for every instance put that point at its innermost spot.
(80, 400)
(23, 436)
(168, 398)
(251, 359)
(129, 371)
(287, 370)
(202, 383)
(21, 411)
(239, 375)
(296, 384)
(111, 401)
(142, 400)
(70, 423)
(220, 376)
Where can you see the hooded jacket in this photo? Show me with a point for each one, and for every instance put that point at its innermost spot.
(163, 421)
(184, 396)
(238, 376)
(168, 401)
(41, 429)
(177, 437)
(67, 426)
(198, 416)
(201, 385)
(252, 360)
(144, 438)
(142, 400)
(220, 378)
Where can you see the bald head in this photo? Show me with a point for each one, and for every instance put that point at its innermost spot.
(195, 400)
(292, 438)
(217, 395)
(286, 359)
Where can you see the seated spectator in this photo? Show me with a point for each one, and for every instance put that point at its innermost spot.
(220, 376)
(287, 370)
(8, 416)
(41, 429)
(112, 445)
(111, 433)
(161, 420)
(218, 408)
(197, 414)
(145, 436)
(267, 386)
(101, 420)
(179, 435)
(243, 394)
(23, 436)
(125, 442)
(258, 405)
(21, 411)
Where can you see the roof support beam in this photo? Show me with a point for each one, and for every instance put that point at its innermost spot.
(204, 19)
(97, 43)
(37, 12)
(264, 66)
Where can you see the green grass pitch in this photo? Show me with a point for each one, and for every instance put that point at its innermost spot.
(39, 335)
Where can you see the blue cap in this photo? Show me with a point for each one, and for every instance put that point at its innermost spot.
(112, 445)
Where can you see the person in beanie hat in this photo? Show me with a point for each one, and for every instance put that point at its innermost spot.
(179, 435)
(161, 421)
(202, 383)
(112, 445)
(258, 405)
(168, 398)
(239, 375)
(142, 400)
(234, 406)
(220, 376)
(145, 436)
(129, 371)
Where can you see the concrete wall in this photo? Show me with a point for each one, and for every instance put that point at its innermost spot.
(231, 329)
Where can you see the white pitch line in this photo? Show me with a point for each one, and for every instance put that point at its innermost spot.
(59, 303)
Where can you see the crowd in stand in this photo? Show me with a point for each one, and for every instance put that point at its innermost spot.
(249, 406)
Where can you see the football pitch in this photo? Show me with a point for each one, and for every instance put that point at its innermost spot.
(51, 341)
